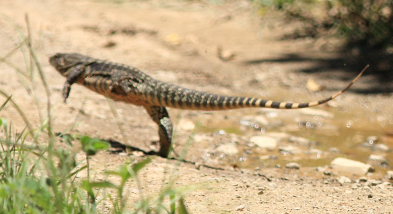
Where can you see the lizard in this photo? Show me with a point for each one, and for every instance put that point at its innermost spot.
(130, 85)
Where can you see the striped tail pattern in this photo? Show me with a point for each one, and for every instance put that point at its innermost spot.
(182, 98)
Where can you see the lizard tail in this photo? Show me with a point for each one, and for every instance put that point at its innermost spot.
(183, 98)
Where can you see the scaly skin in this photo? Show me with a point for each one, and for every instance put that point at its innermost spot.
(128, 84)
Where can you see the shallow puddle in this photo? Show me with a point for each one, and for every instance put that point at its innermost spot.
(332, 133)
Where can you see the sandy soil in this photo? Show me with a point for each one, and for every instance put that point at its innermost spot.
(178, 42)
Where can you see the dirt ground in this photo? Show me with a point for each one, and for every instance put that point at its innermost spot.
(218, 47)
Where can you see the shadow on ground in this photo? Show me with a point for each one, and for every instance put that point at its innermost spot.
(381, 67)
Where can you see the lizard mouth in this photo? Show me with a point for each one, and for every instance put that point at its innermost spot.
(57, 62)
(53, 60)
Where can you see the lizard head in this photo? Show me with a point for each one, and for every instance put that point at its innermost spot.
(63, 61)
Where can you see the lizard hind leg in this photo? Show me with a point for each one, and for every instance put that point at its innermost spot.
(161, 117)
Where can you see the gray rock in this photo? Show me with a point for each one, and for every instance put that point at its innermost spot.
(378, 160)
(300, 140)
(362, 180)
(292, 165)
(290, 149)
(254, 121)
(265, 142)
(228, 149)
(334, 150)
(343, 180)
(350, 166)
(240, 208)
(374, 182)
(381, 147)
(390, 175)
(221, 132)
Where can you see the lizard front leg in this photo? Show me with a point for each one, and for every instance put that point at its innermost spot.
(73, 76)
(161, 117)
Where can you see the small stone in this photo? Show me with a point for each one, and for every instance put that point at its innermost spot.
(369, 196)
(320, 169)
(343, 180)
(228, 149)
(254, 121)
(381, 147)
(186, 125)
(292, 165)
(221, 132)
(355, 186)
(374, 182)
(241, 207)
(390, 175)
(378, 160)
(264, 142)
(327, 172)
(300, 140)
(350, 166)
(289, 150)
(334, 150)
(198, 165)
(362, 180)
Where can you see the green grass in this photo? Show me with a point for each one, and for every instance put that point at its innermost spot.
(38, 173)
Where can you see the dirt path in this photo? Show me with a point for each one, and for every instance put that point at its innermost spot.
(179, 42)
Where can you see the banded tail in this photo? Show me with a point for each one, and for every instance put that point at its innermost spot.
(182, 98)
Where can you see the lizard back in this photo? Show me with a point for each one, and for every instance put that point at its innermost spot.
(128, 84)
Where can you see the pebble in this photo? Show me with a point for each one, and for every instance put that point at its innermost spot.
(321, 169)
(228, 149)
(254, 121)
(350, 166)
(343, 180)
(186, 125)
(264, 142)
(374, 182)
(290, 149)
(334, 150)
(292, 165)
(390, 175)
(378, 159)
(300, 140)
(362, 180)
(381, 147)
(241, 207)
